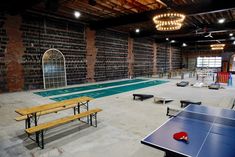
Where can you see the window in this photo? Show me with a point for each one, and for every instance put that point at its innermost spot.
(210, 62)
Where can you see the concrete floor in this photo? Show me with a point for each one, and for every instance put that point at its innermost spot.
(121, 125)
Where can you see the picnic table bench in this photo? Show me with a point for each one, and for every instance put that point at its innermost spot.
(39, 129)
(32, 113)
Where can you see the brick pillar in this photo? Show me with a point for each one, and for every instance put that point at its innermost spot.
(130, 57)
(154, 58)
(14, 52)
(91, 55)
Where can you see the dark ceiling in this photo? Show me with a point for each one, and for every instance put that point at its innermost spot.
(127, 15)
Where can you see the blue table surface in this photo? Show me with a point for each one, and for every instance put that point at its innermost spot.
(208, 137)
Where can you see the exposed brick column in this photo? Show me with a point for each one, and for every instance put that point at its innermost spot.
(154, 58)
(91, 55)
(14, 52)
(130, 57)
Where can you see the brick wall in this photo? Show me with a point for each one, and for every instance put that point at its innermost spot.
(112, 52)
(130, 58)
(90, 55)
(143, 57)
(13, 53)
(162, 58)
(3, 44)
(176, 58)
(41, 34)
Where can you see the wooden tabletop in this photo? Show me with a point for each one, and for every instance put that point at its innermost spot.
(35, 109)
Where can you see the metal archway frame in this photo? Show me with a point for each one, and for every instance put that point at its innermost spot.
(53, 61)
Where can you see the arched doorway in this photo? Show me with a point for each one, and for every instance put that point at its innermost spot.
(232, 63)
(54, 70)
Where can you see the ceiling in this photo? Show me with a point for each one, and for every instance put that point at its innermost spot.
(127, 15)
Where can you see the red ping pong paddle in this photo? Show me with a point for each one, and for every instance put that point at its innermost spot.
(181, 136)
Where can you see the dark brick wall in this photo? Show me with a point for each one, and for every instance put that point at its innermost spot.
(143, 57)
(111, 59)
(162, 58)
(3, 43)
(40, 34)
(176, 59)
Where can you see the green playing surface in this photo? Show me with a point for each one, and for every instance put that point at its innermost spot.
(111, 91)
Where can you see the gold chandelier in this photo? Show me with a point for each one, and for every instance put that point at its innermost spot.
(169, 21)
(217, 46)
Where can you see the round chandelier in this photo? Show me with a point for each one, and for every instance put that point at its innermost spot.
(169, 21)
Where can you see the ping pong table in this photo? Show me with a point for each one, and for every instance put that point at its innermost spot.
(211, 133)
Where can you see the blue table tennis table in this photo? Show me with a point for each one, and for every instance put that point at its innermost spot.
(211, 133)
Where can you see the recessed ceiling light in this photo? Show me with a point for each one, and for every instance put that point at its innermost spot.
(167, 39)
(232, 38)
(233, 42)
(221, 20)
(230, 34)
(184, 44)
(137, 30)
(77, 14)
(172, 41)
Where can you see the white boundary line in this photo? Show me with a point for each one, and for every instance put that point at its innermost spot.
(205, 139)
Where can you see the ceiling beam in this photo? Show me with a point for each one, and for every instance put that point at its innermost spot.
(168, 3)
(14, 7)
(206, 47)
(136, 4)
(199, 39)
(185, 31)
(204, 7)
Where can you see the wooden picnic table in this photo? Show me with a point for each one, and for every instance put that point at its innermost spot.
(31, 112)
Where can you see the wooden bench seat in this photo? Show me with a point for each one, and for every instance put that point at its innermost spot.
(41, 127)
(55, 110)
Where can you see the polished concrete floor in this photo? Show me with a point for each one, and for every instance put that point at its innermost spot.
(121, 125)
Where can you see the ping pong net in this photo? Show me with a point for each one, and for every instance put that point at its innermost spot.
(201, 116)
